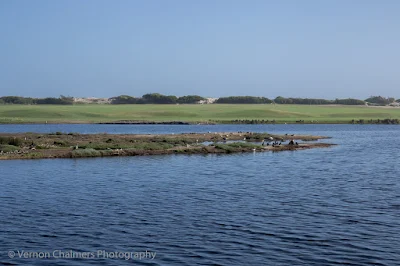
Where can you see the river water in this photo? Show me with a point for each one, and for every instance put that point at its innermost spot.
(330, 206)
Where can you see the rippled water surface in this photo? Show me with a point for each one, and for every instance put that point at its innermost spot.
(330, 206)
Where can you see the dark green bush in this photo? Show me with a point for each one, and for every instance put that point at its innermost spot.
(11, 141)
(61, 143)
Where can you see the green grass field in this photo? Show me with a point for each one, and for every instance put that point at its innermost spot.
(190, 113)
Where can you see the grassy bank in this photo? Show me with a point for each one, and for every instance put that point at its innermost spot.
(219, 113)
(72, 145)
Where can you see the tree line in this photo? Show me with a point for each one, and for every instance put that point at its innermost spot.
(349, 101)
(63, 100)
(244, 99)
(157, 98)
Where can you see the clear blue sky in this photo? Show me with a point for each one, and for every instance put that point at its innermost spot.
(320, 48)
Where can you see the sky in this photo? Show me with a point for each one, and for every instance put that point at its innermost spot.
(214, 48)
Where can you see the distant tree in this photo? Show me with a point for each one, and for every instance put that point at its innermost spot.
(379, 100)
(190, 99)
(67, 98)
(349, 101)
(243, 100)
(61, 101)
(17, 100)
(157, 98)
(27, 100)
(125, 99)
(398, 100)
(282, 100)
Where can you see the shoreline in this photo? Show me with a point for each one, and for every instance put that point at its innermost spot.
(216, 122)
(73, 145)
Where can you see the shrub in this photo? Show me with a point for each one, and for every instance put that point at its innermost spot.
(61, 143)
(101, 146)
(152, 146)
(8, 148)
(232, 147)
(242, 145)
(85, 153)
(227, 148)
(4, 140)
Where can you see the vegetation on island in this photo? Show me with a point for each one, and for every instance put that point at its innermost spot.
(75, 145)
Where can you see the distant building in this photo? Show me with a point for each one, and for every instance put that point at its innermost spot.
(92, 100)
(208, 101)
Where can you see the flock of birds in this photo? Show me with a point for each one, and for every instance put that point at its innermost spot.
(267, 141)
(277, 142)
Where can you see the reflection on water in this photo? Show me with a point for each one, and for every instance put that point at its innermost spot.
(331, 206)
